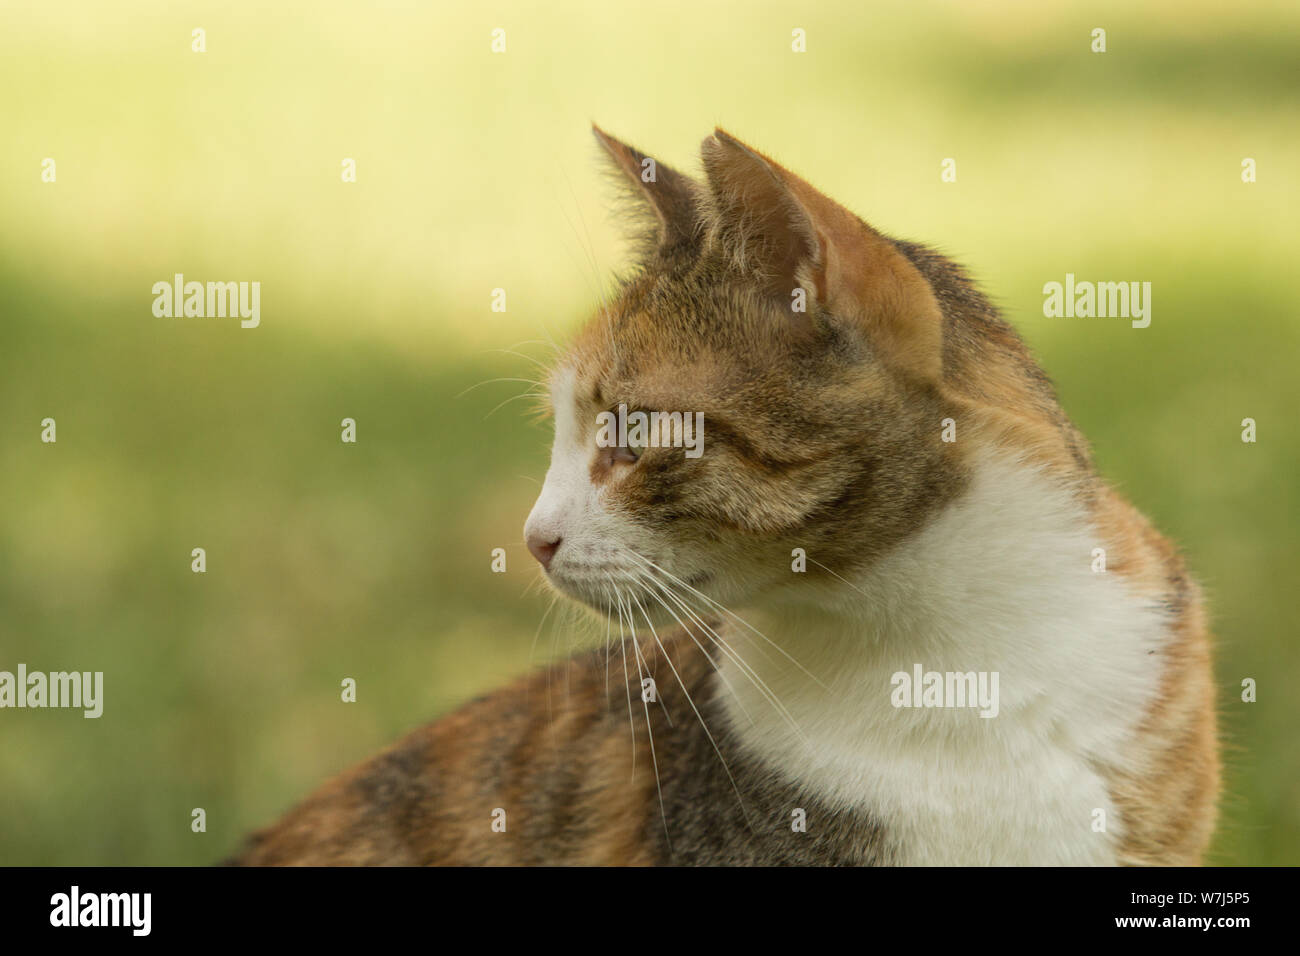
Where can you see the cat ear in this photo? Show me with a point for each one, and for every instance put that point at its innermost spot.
(773, 225)
(667, 193)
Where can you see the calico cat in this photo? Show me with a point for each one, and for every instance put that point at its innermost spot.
(887, 488)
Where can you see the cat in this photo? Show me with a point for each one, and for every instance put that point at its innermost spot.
(887, 486)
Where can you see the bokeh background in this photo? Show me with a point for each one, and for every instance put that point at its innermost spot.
(477, 171)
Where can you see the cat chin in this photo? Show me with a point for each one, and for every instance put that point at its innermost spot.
(635, 603)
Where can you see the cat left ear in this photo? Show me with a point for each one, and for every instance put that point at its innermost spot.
(668, 193)
(783, 232)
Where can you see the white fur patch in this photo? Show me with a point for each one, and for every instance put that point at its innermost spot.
(999, 581)
(567, 494)
(570, 508)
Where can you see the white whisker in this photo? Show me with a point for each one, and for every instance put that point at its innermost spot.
(736, 617)
(681, 683)
(654, 759)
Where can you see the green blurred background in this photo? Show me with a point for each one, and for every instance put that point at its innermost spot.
(476, 171)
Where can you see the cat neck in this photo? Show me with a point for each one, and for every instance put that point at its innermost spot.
(1001, 586)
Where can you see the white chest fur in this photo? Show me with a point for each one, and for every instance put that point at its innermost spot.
(1002, 581)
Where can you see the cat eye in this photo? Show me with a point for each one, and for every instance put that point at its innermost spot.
(632, 449)
(619, 441)
(610, 455)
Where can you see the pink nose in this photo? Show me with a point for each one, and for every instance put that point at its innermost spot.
(544, 547)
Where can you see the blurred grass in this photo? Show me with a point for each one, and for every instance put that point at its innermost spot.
(476, 171)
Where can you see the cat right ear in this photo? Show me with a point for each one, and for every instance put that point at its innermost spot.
(787, 236)
(668, 194)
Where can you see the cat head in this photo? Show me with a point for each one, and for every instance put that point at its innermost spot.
(809, 353)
